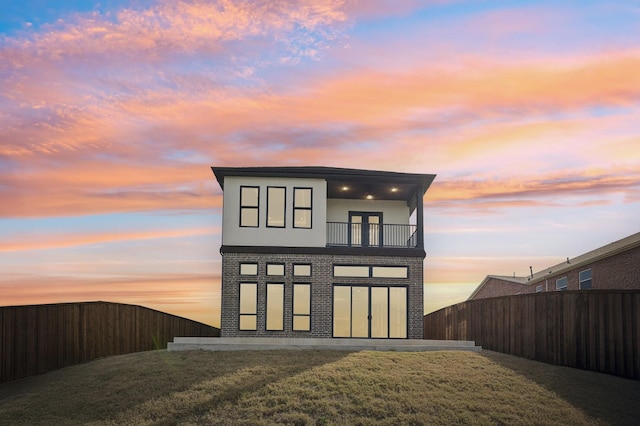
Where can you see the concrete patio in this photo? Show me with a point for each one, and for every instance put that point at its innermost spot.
(267, 343)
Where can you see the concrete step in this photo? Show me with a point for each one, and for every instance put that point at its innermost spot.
(269, 343)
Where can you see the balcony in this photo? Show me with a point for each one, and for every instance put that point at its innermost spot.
(345, 234)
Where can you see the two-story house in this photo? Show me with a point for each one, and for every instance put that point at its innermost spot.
(322, 252)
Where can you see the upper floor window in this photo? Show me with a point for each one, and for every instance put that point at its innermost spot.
(302, 207)
(539, 289)
(585, 279)
(249, 206)
(561, 284)
(276, 201)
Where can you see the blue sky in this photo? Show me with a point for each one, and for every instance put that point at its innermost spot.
(112, 112)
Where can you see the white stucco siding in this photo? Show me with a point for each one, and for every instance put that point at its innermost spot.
(393, 212)
(233, 234)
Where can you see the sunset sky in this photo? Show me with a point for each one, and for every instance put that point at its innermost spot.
(113, 111)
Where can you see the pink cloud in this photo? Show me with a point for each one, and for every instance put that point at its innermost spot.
(48, 241)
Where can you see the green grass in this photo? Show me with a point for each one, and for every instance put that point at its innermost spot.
(319, 387)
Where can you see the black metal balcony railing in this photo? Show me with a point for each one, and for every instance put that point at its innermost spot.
(344, 234)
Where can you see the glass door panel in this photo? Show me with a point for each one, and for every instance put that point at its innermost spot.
(379, 312)
(360, 311)
(356, 230)
(374, 230)
(398, 312)
(341, 311)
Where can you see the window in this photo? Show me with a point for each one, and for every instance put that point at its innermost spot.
(275, 307)
(302, 207)
(248, 306)
(390, 272)
(539, 289)
(275, 269)
(585, 279)
(302, 270)
(351, 271)
(249, 206)
(248, 269)
(301, 307)
(561, 284)
(275, 206)
(363, 271)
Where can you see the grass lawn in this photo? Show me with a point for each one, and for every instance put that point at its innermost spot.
(319, 387)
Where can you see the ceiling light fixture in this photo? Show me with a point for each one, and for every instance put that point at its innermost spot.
(369, 197)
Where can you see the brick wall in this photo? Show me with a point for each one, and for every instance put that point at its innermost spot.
(321, 281)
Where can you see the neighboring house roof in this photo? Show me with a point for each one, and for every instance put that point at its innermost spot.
(603, 252)
(377, 183)
(515, 280)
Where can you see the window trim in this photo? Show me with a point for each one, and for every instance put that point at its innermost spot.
(247, 314)
(293, 307)
(296, 208)
(539, 288)
(266, 307)
(243, 207)
(284, 207)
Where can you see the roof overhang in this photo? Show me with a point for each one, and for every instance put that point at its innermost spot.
(344, 183)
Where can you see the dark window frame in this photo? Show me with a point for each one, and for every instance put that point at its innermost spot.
(284, 207)
(293, 269)
(296, 208)
(247, 314)
(248, 263)
(293, 306)
(244, 207)
(370, 275)
(266, 306)
(284, 269)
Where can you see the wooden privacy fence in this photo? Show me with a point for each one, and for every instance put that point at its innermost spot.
(40, 338)
(596, 330)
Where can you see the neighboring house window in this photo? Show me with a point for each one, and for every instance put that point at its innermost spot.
(275, 307)
(302, 207)
(585, 279)
(302, 270)
(248, 306)
(276, 200)
(301, 307)
(539, 289)
(248, 269)
(561, 284)
(249, 206)
(275, 269)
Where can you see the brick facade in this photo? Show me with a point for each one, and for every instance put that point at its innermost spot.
(322, 282)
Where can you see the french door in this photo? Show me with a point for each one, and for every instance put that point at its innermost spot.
(365, 229)
(377, 312)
